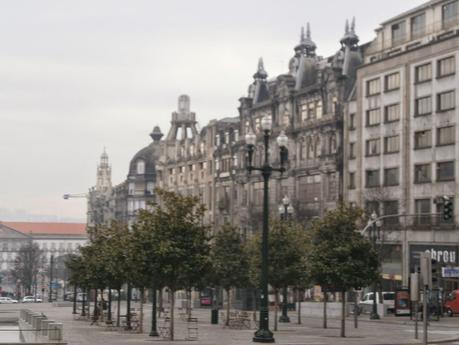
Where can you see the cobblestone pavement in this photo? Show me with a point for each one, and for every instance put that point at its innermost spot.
(389, 330)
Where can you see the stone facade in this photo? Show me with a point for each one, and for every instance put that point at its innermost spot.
(372, 125)
(306, 102)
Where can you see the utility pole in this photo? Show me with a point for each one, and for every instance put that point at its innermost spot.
(426, 275)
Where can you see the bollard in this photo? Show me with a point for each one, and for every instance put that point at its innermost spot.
(34, 321)
(38, 320)
(55, 331)
(45, 325)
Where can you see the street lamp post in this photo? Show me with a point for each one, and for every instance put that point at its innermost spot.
(285, 212)
(51, 268)
(374, 235)
(263, 334)
(153, 331)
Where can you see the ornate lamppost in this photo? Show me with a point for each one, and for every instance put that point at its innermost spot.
(263, 334)
(285, 212)
(374, 236)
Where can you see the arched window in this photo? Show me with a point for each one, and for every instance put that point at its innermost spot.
(310, 149)
(303, 149)
(150, 187)
(140, 167)
(317, 147)
(332, 144)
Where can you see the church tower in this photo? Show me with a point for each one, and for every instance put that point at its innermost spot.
(104, 174)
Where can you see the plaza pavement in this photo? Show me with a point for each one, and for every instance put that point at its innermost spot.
(389, 330)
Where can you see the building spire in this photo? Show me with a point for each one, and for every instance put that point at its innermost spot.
(261, 73)
(350, 38)
(306, 45)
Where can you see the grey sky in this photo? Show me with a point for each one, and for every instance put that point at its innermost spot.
(76, 76)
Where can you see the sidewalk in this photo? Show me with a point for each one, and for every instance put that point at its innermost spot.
(389, 330)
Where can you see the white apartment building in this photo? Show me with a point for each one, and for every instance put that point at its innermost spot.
(401, 127)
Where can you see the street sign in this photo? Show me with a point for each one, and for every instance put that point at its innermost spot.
(450, 272)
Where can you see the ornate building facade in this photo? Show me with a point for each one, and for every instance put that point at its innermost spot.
(306, 102)
(374, 125)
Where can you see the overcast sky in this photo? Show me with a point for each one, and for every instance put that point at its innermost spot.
(76, 76)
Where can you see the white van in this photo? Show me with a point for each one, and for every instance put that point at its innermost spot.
(388, 299)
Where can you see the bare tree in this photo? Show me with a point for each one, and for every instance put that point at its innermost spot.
(28, 262)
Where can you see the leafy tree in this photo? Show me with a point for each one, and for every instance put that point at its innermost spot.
(340, 258)
(229, 262)
(287, 258)
(28, 262)
(180, 243)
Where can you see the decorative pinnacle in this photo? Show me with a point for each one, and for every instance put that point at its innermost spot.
(346, 27)
(353, 25)
(308, 31)
(302, 34)
(261, 73)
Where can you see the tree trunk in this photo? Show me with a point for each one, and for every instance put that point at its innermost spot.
(188, 303)
(298, 296)
(276, 308)
(89, 304)
(343, 313)
(356, 309)
(160, 302)
(142, 292)
(228, 305)
(172, 299)
(101, 307)
(128, 307)
(118, 308)
(325, 309)
(254, 305)
(109, 311)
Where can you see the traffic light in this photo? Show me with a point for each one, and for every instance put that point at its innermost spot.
(447, 208)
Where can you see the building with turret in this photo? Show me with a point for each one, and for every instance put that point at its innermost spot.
(372, 124)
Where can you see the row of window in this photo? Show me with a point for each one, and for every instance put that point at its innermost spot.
(445, 101)
(445, 67)
(422, 174)
(149, 188)
(423, 73)
(422, 139)
(311, 110)
(417, 23)
(422, 106)
(391, 83)
(445, 136)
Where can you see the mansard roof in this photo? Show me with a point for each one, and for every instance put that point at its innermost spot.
(149, 154)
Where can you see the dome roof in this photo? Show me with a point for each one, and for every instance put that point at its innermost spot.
(148, 155)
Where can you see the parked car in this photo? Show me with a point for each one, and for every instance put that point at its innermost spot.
(31, 299)
(7, 300)
(81, 296)
(387, 298)
(451, 305)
